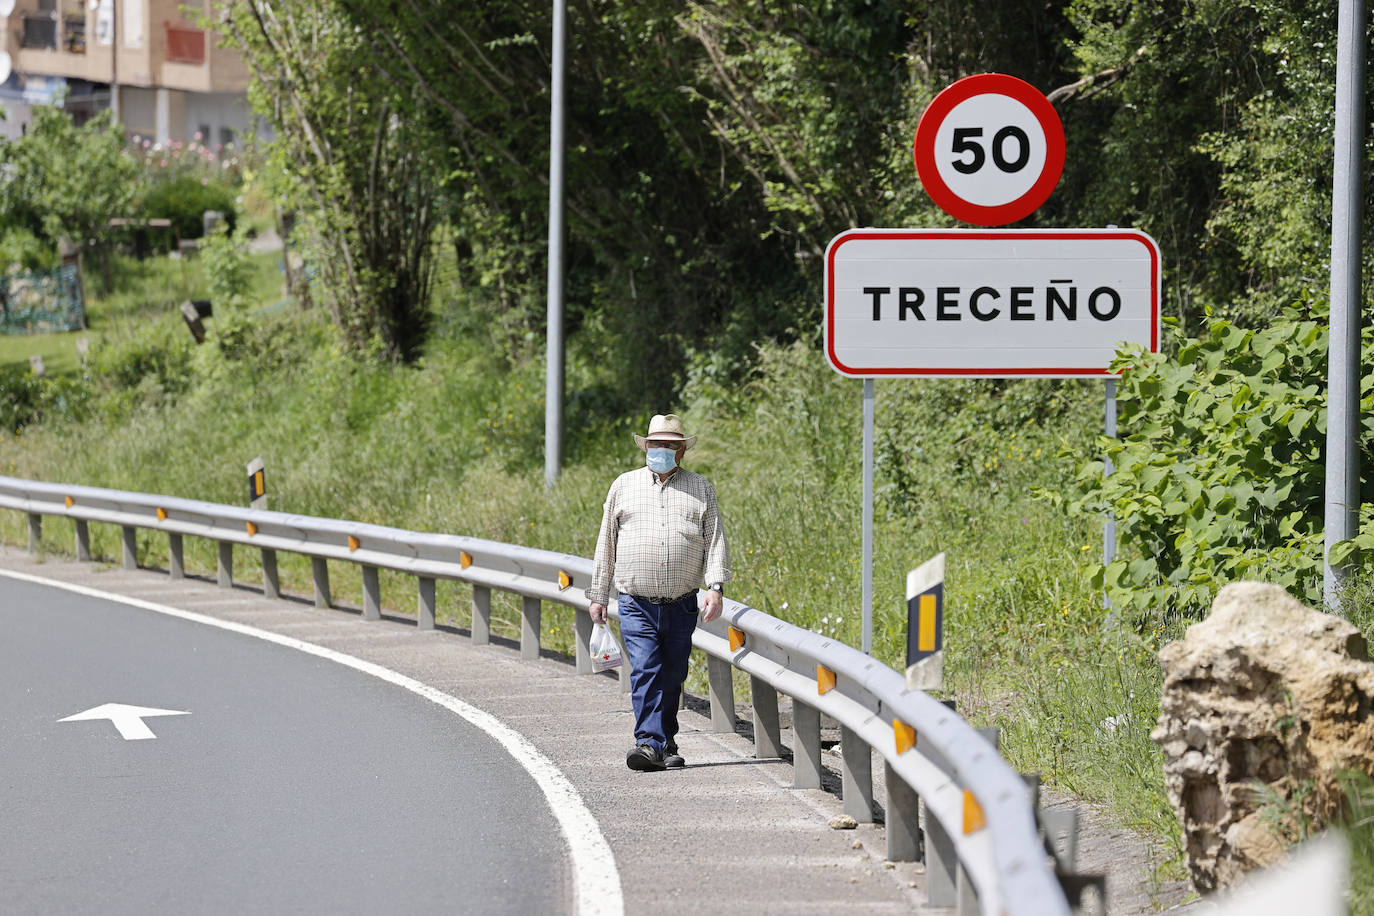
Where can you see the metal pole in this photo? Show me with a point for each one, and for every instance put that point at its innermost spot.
(114, 61)
(553, 394)
(868, 518)
(1109, 425)
(1343, 372)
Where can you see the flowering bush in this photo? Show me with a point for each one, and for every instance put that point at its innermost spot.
(180, 181)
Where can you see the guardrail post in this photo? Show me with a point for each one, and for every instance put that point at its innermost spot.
(721, 680)
(176, 557)
(319, 571)
(806, 746)
(529, 627)
(857, 779)
(225, 569)
(424, 610)
(481, 615)
(903, 818)
(582, 627)
(941, 864)
(35, 531)
(129, 539)
(967, 904)
(83, 540)
(372, 594)
(767, 731)
(271, 585)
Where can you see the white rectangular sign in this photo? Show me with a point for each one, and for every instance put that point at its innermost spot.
(988, 303)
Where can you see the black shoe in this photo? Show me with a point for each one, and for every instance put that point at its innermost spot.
(644, 758)
(671, 758)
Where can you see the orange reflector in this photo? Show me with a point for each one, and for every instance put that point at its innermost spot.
(252, 528)
(70, 502)
(352, 543)
(973, 814)
(161, 514)
(464, 559)
(825, 680)
(736, 639)
(905, 735)
(564, 580)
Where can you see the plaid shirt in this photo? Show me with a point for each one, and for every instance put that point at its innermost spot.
(658, 540)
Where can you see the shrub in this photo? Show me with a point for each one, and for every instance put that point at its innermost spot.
(1219, 472)
(20, 248)
(185, 199)
(26, 398)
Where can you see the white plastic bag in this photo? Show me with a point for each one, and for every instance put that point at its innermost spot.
(605, 650)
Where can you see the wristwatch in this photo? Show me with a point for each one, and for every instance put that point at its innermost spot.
(717, 587)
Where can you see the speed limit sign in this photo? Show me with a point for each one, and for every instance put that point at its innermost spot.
(989, 149)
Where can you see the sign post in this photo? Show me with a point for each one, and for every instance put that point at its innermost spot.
(984, 303)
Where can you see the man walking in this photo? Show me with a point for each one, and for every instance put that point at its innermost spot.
(661, 537)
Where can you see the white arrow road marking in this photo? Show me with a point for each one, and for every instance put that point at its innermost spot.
(128, 719)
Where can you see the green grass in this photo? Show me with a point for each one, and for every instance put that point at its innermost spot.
(58, 350)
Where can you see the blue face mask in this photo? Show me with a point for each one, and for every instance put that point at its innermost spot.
(660, 460)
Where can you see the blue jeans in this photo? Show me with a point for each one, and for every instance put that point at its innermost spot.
(658, 639)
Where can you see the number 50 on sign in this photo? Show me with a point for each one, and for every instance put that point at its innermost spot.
(989, 149)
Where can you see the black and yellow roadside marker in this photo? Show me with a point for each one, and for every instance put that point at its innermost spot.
(564, 580)
(925, 615)
(257, 484)
(464, 559)
(70, 502)
(825, 680)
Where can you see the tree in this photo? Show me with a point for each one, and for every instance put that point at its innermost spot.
(358, 162)
(64, 180)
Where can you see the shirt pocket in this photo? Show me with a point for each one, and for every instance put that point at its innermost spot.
(686, 524)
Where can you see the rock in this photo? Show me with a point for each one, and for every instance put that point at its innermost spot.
(1265, 690)
(857, 844)
(843, 822)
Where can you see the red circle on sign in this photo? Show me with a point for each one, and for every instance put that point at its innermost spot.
(923, 149)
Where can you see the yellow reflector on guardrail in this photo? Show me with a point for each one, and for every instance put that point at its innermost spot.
(905, 735)
(70, 502)
(973, 814)
(736, 639)
(825, 680)
(564, 580)
(252, 528)
(161, 514)
(464, 559)
(352, 543)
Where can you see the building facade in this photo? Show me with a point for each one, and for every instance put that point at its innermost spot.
(165, 77)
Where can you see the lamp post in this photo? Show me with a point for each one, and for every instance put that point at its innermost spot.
(1343, 367)
(553, 374)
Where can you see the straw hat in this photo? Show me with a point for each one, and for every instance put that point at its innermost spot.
(666, 427)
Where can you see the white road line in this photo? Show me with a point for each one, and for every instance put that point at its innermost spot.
(596, 881)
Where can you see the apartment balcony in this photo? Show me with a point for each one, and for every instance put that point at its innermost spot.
(40, 33)
(52, 45)
(185, 46)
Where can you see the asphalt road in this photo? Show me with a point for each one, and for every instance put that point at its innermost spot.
(293, 784)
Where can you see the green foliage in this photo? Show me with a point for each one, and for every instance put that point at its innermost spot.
(228, 268)
(70, 180)
(21, 249)
(26, 399)
(1219, 471)
(184, 199)
(353, 148)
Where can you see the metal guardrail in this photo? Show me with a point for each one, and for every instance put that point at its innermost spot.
(982, 845)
